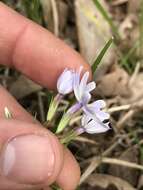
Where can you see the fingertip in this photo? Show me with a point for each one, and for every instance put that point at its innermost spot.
(33, 50)
(30, 154)
(49, 55)
(70, 174)
(29, 151)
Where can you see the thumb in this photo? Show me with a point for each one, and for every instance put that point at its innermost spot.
(29, 154)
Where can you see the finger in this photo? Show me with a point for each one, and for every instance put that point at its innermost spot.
(33, 50)
(73, 180)
(29, 154)
(19, 113)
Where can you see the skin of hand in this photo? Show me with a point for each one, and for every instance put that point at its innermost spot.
(31, 157)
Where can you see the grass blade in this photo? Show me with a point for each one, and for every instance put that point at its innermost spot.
(107, 18)
(101, 55)
(129, 56)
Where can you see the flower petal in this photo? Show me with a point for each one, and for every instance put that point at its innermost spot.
(95, 127)
(85, 98)
(103, 115)
(65, 86)
(95, 115)
(76, 86)
(90, 86)
(83, 82)
(81, 88)
(76, 83)
(99, 104)
(95, 109)
(61, 77)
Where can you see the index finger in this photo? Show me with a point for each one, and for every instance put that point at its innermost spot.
(33, 50)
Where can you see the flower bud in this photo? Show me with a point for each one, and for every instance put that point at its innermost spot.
(65, 82)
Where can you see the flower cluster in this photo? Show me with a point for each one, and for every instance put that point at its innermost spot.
(94, 119)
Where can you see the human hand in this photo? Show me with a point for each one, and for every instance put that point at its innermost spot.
(31, 157)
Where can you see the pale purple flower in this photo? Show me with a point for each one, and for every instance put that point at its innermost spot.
(82, 88)
(65, 82)
(64, 86)
(82, 91)
(92, 126)
(95, 110)
(95, 120)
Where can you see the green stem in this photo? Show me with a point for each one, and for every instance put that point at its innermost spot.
(69, 137)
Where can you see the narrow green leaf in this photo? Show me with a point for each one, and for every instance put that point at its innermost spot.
(107, 18)
(126, 57)
(101, 55)
(63, 123)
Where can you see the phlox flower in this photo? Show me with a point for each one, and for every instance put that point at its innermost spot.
(92, 126)
(82, 88)
(95, 120)
(95, 110)
(65, 82)
(64, 86)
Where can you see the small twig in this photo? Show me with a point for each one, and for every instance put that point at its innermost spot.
(93, 165)
(121, 163)
(111, 148)
(119, 2)
(124, 107)
(85, 140)
(119, 108)
(64, 105)
(55, 17)
(98, 160)
(132, 109)
(124, 119)
(94, 160)
(75, 120)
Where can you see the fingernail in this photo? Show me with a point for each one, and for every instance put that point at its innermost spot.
(27, 159)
